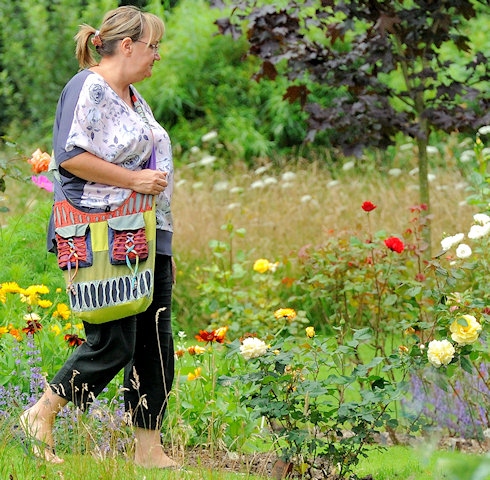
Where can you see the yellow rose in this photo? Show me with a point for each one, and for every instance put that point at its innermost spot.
(465, 332)
(310, 332)
(440, 352)
(261, 265)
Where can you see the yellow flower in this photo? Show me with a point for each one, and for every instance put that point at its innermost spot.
(45, 303)
(31, 298)
(287, 313)
(30, 295)
(62, 311)
(466, 331)
(310, 332)
(3, 330)
(10, 287)
(261, 265)
(39, 289)
(79, 326)
(193, 375)
(67, 326)
(55, 329)
(440, 352)
(196, 350)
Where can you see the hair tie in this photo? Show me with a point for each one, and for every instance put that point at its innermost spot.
(96, 40)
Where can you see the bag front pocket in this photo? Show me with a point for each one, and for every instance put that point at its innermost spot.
(74, 248)
(127, 239)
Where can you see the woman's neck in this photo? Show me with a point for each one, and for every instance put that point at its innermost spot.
(115, 79)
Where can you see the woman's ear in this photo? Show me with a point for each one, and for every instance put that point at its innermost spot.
(126, 45)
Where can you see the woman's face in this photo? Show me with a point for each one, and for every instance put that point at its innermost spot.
(145, 54)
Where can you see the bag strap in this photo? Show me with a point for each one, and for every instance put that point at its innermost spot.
(152, 161)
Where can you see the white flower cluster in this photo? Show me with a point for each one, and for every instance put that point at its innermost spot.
(480, 229)
(482, 226)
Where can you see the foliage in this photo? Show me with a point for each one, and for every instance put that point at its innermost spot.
(305, 390)
(457, 406)
(35, 36)
(364, 43)
(34, 330)
(210, 412)
(230, 294)
(203, 85)
(8, 169)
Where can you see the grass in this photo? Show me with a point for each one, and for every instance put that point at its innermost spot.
(423, 463)
(22, 468)
(394, 463)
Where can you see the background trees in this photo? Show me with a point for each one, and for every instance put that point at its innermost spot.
(360, 72)
(201, 84)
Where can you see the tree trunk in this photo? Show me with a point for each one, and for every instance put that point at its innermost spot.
(424, 192)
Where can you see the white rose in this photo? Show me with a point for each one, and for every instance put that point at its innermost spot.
(440, 352)
(252, 348)
(463, 251)
(448, 242)
(481, 218)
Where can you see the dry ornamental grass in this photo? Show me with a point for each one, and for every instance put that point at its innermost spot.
(281, 212)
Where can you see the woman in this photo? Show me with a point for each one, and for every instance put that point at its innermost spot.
(103, 136)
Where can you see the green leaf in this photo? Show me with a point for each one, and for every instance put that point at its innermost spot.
(466, 365)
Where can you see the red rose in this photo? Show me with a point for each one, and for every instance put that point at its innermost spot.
(368, 206)
(395, 244)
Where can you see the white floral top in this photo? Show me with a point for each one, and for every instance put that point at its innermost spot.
(91, 117)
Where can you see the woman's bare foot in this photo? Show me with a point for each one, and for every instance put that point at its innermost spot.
(156, 459)
(39, 437)
(148, 452)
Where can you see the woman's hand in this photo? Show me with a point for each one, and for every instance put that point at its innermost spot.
(149, 181)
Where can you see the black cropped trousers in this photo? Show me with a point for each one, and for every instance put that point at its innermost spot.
(142, 345)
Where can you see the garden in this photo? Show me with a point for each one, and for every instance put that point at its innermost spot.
(319, 334)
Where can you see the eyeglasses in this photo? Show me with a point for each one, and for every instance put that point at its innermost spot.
(155, 46)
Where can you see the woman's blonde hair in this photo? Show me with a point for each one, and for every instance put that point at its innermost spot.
(126, 21)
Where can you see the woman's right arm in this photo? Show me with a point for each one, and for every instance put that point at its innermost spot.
(94, 169)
